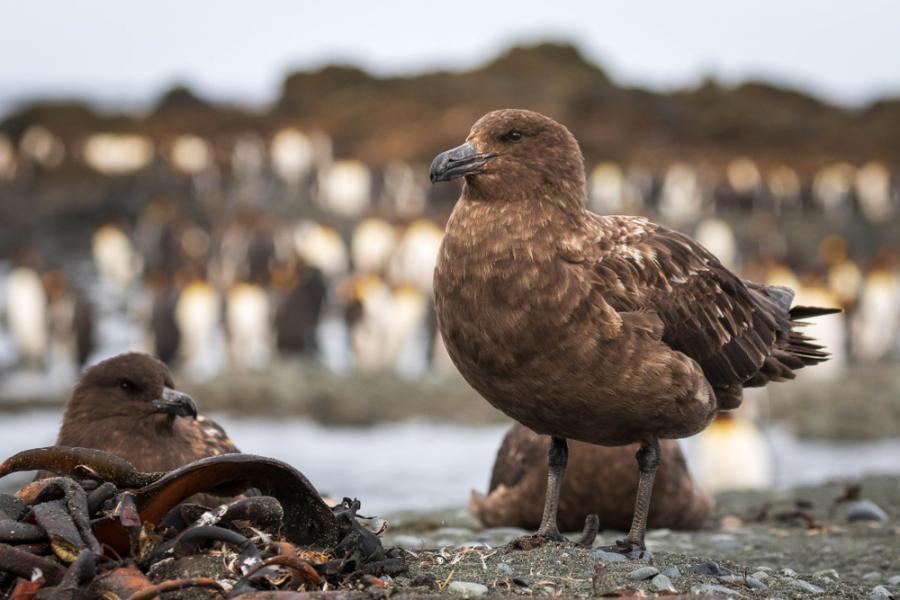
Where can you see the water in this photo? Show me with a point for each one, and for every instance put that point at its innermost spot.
(424, 465)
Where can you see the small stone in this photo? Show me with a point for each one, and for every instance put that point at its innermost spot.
(789, 572)
(872, 576)
(520, 582)
(643, 573)
(607, 556)
(865, 510)
(731, 579)
(829, 574)
(672, 573)
(760, 575)
(709, 588)
(895, 580)
(644, 554)
(709, 568)
(468, 589)
(806, 586)
(879, 592)
(663, 583)
(755, 584)
(763, 568)
(505, 569)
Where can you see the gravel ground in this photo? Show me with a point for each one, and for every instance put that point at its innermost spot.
(802, 543)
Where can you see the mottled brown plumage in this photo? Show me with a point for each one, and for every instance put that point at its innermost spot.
(127, 405)
(600, 480)
(604, 329)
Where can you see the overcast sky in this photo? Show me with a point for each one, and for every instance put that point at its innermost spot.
(128, 51)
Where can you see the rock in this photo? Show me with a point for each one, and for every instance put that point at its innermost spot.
(607, 556)
(672, 573)
(505, 569)
(879, 592)
(895, 580)
(760, 575)
(827, 574)
(755, 584)
(467, 589)
(643, 573)
(872, 576)
(732, 579)
(716, 590)
(709, 568)
(663, 583)
(806, 586)
(644, 554)
(789, 572)
(865, 510)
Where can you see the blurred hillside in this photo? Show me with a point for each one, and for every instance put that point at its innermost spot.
(378, 120)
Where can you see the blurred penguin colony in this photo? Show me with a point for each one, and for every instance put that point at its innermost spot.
(264, 247)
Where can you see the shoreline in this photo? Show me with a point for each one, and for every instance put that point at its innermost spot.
(864, 404)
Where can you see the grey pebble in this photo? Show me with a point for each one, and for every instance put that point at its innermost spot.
(607, 556)
(663, 583)
(879, 592)
(709, 588)
(468, 589)
(755, 584)
(760, 575)
(872, 576)
(789, 572)
(643, 573)
(895, 580)
(865, 510)
(505, 569)
(826, 574)
(731, 579)
(672, 573)
(806, 586)
(641, 555)
(709, 568)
